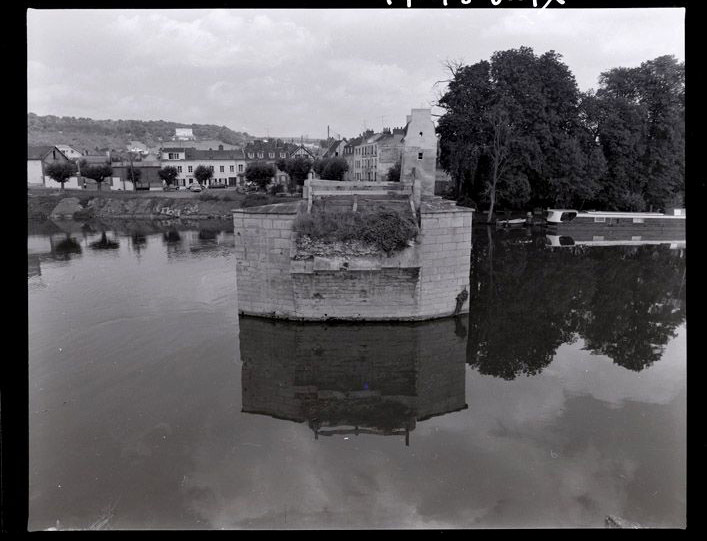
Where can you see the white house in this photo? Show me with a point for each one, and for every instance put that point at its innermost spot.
(183, 134)
(228, 166)
(38, 157)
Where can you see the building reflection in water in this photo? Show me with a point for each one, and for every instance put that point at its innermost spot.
(351, 379)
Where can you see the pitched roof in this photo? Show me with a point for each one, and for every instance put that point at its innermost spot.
(390, 138)
(196, 154)
(94, 158)
(303, 148)
(333, 148)
(354, 142)
(206, 144)
(65, 148)
(272, 145)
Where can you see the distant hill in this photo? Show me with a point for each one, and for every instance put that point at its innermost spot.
(89, 134)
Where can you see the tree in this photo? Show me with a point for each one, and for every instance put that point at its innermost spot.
(498, 149)
(202, 174)
(519, 115)
(97, 172)
(260, 172)
(168, 173)
(133, 174)
(331, 168)
(297, 168)
(393, 174)
(638, 117)
(61, 171)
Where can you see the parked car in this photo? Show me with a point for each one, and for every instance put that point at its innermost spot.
(195, 187)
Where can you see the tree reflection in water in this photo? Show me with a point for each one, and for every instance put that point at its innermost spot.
(171, 236)
(65, 248)
(104, 243)
(527, 300)
(138, 240)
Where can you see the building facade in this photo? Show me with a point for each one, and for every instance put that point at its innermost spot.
(371, 155)
(228, 166)
(419, 153)
(270, 152)
(38, 157)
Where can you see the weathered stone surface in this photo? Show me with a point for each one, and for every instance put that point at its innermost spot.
(283, 277)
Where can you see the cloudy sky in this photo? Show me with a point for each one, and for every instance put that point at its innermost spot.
(293, 72)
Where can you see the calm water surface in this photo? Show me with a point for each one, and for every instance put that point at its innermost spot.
(560, 399)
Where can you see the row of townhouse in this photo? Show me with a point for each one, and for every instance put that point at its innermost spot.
(370, 156)
(229, 166)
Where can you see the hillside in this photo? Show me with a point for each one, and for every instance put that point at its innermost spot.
(86, 133)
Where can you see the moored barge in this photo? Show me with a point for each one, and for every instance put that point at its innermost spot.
(573, 219)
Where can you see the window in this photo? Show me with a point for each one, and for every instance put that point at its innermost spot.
(250, 154)
(638, 220)
(271, 154)
(179, 169)
(232, 168)
(240, 167)
(173, 156)
(220, 169)
(419, 155)
(190, 169)
(282, 154)
(260, 154)
(598, 220)
(212, 168)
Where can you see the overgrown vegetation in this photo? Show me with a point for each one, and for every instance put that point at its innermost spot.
(208, 197)
(517, 131)
(388, 229)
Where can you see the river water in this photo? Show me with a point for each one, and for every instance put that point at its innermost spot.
(560, 399)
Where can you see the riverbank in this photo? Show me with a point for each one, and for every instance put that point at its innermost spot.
(45, 203)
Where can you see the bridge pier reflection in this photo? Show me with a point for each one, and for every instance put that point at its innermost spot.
(351, 379)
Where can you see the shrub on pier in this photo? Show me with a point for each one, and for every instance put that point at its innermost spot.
(388, 229)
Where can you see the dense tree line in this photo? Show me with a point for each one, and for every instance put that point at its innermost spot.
(517, 131)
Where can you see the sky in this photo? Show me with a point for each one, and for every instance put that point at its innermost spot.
(292, 73)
